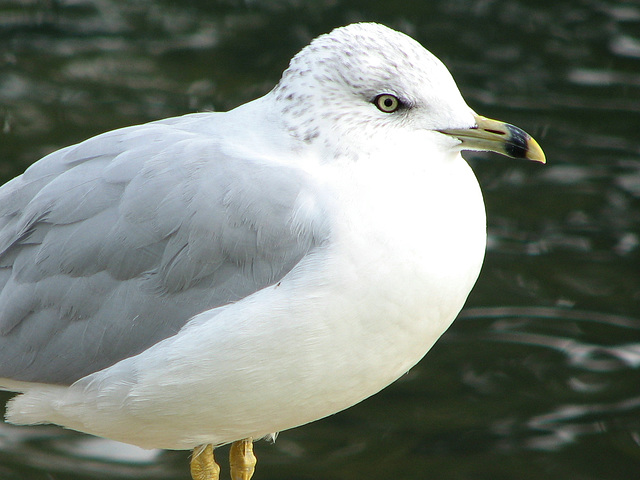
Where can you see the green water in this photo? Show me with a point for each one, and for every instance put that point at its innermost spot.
(540, 377)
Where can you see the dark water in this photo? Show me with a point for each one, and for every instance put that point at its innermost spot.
(540, 376)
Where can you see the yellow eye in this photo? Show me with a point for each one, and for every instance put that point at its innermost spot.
(387, 103)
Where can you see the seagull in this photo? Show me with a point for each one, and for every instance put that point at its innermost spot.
(219, 277)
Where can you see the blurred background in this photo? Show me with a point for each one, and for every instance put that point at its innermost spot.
(539, 377)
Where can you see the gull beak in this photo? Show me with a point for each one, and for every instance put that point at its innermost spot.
(495, 136)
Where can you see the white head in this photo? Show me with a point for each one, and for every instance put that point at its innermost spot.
(364, 87)
(364, 83)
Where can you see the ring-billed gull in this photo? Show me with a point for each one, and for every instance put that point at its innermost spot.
(219, 277)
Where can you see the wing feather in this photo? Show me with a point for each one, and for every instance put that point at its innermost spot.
(111, 245)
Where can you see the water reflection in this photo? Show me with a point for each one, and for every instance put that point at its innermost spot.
(597, 377)
(569, 422)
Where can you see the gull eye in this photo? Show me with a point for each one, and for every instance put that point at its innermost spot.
(387, 103)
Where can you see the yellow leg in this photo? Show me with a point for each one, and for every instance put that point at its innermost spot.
(203, 465)
(241, 459)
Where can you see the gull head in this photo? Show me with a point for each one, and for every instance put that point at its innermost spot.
(364, 88)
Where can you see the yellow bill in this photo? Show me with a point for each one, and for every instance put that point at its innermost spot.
(495, 136)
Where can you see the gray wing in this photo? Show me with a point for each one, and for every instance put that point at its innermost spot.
(111, 245)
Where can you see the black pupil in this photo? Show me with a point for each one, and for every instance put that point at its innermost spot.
(388, 102)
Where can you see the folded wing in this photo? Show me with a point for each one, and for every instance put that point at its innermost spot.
(111, 245)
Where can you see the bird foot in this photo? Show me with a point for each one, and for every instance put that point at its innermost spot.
(242, 460)
(203, 465)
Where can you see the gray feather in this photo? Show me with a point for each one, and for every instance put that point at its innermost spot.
(111, 245)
